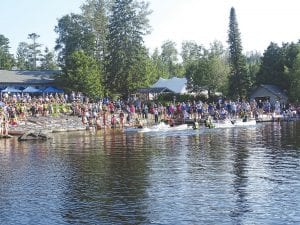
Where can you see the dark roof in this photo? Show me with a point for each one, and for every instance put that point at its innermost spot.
(275, 90)
(27, 76)
(155, 90)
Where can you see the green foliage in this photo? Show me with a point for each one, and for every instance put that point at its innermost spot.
(138, 75)
(29, 56)
(216, 49)
(23, 56)
(191, 51)
(169, 57)
(33, 51)
(74, 34)
(152, 72)
(209, 72)
(294, 77)
(47, 61)
(277, 64)
(159, 68)
(95, 12)
(127, 59)
(281, 66)
(82, 74)
(253, 63)
(272, 68)
(239, 81)
(6, 59)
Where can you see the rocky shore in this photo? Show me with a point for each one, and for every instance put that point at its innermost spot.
(49, 124)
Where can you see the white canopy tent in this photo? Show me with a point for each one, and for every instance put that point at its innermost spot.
(175, 84)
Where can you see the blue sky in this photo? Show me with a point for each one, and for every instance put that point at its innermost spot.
(260, 21)
(18, 18)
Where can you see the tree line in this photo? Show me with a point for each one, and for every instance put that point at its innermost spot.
(101, 51)
(29, 55)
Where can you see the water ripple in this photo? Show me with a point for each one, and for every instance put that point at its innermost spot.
(221, 176)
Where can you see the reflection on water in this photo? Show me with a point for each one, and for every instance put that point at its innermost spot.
(220, 176)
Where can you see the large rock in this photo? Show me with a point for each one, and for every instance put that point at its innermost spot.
(34, 135)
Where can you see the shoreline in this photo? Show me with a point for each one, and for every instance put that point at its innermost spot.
(72, 123)
(47, 124)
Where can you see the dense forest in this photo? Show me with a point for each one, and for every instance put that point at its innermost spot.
(101, 51)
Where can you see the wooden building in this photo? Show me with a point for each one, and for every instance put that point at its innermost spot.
(20, 79)
(269, 92)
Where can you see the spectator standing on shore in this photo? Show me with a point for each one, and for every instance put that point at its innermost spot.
(5, 124)
(260, 106)
(277, 108)
(113, 121)
(156, 115)
(1, 122)
(132, 110)
(267, 107)
(121, 116)
(145, 111)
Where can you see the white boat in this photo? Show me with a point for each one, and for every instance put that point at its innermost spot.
(161, 127)
(241, 123)
(232, 123)
(222, 124)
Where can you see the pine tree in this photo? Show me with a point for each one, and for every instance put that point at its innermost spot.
(34, 50)
(127, 58)
(74, 34)
(6, 59)
(239, 81)
(23, 56)
(82, 73)
(96, 12)
(48, 61)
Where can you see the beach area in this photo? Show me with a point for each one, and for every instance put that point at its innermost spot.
(61, 113)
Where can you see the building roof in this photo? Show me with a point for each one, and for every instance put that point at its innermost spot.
(175, 84)
(154, 90)
(275, 90)
(27, 76)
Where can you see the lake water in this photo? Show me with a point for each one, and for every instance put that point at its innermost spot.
(219, 176)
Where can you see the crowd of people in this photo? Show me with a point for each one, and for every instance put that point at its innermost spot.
(110, 113)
